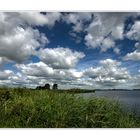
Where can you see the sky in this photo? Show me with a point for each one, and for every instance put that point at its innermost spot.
(92, 50)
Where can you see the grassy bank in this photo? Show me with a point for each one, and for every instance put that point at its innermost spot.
(25, 108)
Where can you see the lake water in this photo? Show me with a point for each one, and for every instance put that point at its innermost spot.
(130, 100)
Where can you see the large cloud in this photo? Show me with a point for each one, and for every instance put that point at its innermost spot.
(39, 72)
(134, 34)
(60, 58)
(109, 74)
(105, 29)
(18, 40)
(132, 56)
(20, 44)
(39, 69)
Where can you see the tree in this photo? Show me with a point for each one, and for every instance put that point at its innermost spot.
(55, 86)
(47, 86)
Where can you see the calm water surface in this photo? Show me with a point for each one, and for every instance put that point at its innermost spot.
(130, 100)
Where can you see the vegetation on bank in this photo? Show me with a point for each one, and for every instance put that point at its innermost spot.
(75, 91)
(26, 108)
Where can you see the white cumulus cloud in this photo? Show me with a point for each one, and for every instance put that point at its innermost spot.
(105, 29)
(60, 58)
(132, 56)
(17, 40)
(108, 74)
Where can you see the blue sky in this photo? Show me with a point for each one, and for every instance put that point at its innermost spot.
(74, 50)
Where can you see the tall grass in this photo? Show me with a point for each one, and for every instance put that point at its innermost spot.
(26, 108)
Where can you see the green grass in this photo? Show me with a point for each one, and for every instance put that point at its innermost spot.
(26, 108)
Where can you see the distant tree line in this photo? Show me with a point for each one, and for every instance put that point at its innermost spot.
(47, 86)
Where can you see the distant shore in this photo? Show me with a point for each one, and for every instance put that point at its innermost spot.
(117, 89)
